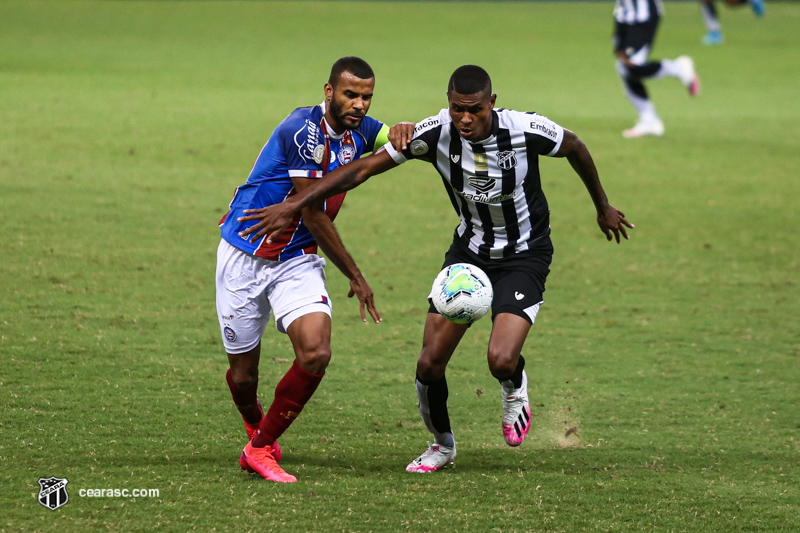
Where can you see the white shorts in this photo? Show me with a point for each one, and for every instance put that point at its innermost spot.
(249, 288)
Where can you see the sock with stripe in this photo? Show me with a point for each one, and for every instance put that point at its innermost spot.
(432, 397)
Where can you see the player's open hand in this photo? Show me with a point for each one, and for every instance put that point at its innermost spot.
(612, 222)
(273, 220)
(361, 289)
(401, 134)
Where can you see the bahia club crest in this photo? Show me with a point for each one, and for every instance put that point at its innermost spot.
(53, 492)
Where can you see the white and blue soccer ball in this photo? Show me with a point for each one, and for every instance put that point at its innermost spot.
(462, 293)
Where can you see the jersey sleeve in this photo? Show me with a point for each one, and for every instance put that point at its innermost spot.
(299, 138)
(422, 145)
(375, 133)
(548, 134)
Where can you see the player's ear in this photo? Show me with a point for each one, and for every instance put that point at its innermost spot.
(492, 100)
(328, 91)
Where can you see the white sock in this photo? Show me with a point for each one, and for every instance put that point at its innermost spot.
(669, 68)
(712, 23)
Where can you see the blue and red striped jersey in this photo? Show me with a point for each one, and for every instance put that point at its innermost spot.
(296, 149)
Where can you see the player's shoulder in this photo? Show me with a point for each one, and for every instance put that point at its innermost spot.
(302, 124)
(300, 117)
(369, 128)
(431, 123)
(369, 122)
(528, 122)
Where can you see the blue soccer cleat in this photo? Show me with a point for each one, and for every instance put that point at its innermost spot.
(712, 38)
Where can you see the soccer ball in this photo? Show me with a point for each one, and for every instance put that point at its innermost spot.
(462, 293)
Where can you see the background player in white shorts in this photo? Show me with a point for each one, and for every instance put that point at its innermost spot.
(635, 25)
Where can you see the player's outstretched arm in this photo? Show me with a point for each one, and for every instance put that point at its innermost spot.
(328, 239)
(612, 222)
(274, 219)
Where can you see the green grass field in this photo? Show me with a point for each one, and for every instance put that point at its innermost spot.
(125, 127)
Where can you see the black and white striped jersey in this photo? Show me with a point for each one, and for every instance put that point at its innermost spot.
(493, 184)
(637, 11)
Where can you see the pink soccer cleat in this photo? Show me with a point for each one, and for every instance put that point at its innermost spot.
(263, 462)
(516, 413)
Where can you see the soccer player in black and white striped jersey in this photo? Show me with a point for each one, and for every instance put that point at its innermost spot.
(488, 160)
(635, 31)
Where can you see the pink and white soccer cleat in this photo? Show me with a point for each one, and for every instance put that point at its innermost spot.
(688, 75)
(434, 458)
(516, 413)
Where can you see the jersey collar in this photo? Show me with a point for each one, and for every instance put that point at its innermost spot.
(330, 132)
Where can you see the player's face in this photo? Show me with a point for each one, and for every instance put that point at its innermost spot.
(472, 114)
(348, 102)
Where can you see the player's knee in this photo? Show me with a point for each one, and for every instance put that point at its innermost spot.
(315, 359)
(501, 363)
(429, 369)
(244, 378)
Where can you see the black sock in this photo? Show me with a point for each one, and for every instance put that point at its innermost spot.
(648, 70)
(516, 377)
(436, 396)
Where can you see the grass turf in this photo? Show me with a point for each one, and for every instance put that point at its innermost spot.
(663, 371)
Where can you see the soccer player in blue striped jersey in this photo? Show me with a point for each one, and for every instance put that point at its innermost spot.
(286, 277)
(487, 158)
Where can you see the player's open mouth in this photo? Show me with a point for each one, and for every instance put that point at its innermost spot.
(465, 133)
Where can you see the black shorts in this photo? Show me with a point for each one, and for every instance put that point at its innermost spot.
(630, 38)
(517, 280)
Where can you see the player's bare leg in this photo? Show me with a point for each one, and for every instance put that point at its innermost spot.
(311, 339)
(509, 332)
(242, 378)
(439, 340)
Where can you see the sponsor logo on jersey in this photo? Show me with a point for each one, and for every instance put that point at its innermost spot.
(455, 158)
(347, 153)
(518, 295)
(483, 198)
(544, 129)
(426, 124)
(307, 140)
(507, 159)
(418, 147)
(482, 185)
